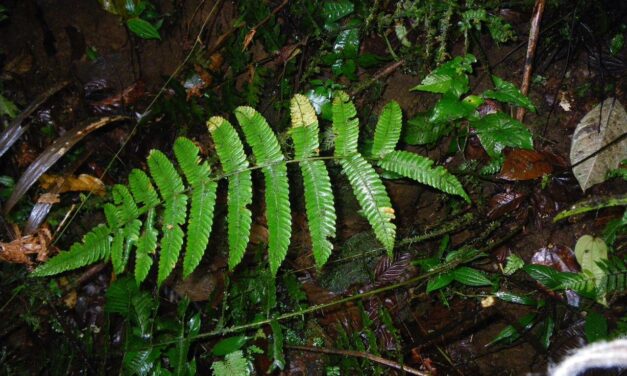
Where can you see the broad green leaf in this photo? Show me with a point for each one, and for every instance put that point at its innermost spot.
(508, 92)
(515, 298)
(228, 345)
(143, 28)
(470, 277)
(440, 281)
(333, 11)
(450, 108)
(420, 131)
(497, 131)
(278, 357)
(449, 77)
(388, 130)
(8, 108)
(547, 331)
(347, 42)
(547, 276)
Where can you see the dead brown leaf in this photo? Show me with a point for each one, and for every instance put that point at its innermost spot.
(21, 250)
(82, 183)
(521, 164)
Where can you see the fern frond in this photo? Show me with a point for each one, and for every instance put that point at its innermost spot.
(240, 194)
(200, 223)
(95, 247)
(142, 189)
(372, 197)
(146, 246)
(124, 240)
(267, 150)
(171, 188)
(187, 156)
(259, 135)
(127, 207)
(421, 169)
(388, 130)
(304, 127)
(320, 209)
(164, 174)
(319, 203)
(174, 216)
(614, 279)
(202, 205)
(345, 125)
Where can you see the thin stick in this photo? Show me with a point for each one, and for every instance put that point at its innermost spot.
(534, 34)
(360, 354)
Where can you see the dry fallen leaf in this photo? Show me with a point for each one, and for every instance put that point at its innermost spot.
(597, 146)
(521, 164)
(20, 250)
(82, 183)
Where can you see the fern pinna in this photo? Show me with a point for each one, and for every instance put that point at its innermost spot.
(161, 218)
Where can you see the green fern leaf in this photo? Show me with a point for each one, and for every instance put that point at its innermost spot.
(200, 223)
(421, 169)
(388, 130)
(187, 155)
(240, 194)
(304, 127)
(259, 135)
(95, 247)
(345, 125)
(372, 197)
(164, 174)
(319, 204)
(128, 237)
(320, 209)
(112, 215)
(142, 189)
(146, 246)
(267, 150)
(126, 204)
(174, 216)
(170, 187)
(203, 202)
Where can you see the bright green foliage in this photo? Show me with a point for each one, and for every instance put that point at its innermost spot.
(345, 125)
(267, 150)
(96, 246)
(240, 193)
(421, 169)
(233, 364)
(317, 184)
(388, 130)
(170, 187)
(372, 197)
(496, 131)
(508, 92)
(203, 202)
(135, 210)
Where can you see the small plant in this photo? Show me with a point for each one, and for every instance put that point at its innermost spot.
(495, 130)
(135, 211)
(140, 16)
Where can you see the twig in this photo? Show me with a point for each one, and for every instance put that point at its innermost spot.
(360, 354)
(385, 71)
(534, 33)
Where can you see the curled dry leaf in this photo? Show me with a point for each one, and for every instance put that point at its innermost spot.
(521, 164)
(82, 183)
(21, 250)
(599, 143)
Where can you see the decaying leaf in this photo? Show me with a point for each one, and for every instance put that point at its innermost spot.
(20, 250)
(81, 183)
(597, 146)
(521, 164)
(589, 251)
(503, 203)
